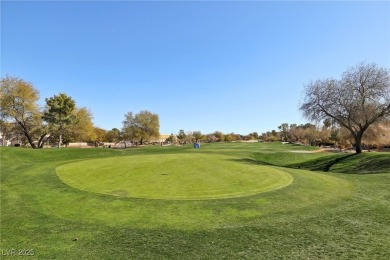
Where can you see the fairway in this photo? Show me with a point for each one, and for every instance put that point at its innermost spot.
(225, 200)
(190, 176)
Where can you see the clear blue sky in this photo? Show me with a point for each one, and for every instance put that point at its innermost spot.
(228, 66)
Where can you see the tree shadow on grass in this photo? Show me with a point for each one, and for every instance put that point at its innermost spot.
(342, 163)
(367, 163)
(350, 164)
(321, 164)
(250, 161)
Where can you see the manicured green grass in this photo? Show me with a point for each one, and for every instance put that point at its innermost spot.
(322, 214)
(173, 176)
(351, 163)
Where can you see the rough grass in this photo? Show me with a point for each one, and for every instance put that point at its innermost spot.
(321, 215)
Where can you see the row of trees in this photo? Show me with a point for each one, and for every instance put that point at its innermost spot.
(128, 133)
(328, 134)
(355, 108)
(61, 120)
(20, 112)
(183, 137)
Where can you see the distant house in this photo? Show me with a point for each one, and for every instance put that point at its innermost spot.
(161, 139)
(4, 141)
(9, 138)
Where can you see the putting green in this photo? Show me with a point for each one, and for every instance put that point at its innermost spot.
(173, 176)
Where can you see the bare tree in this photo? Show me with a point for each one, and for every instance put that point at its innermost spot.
(359, 99)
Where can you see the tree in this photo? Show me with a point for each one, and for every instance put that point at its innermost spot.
(228, 138)
(198, 136)
(181, 136)
(114, 135)
(219, 135)
(284, 132)
(170, 139)
(359, 99)
(18, 102)
(210, 138)
(378, 135)
(232, 137)
(59, 113)
(99, 136)
(141, 126)
(82, 128)
(130, 130)
(310, 134)
(189, 137)
(253, 136)
(296, 133)
(149, 125)
(274, 136)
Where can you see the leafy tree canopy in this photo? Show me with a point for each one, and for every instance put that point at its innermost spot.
(59, 112)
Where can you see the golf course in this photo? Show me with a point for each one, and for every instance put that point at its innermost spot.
(222, 201)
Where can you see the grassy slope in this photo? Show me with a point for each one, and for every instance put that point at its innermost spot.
(364, 163)
(321, 215)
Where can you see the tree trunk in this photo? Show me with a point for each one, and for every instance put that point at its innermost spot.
(4, 132)
(27, 135)
(60, 141)
(31, 142)
(358, 143)
(41, 141)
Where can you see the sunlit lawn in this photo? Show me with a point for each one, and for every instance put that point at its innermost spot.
(321, 214)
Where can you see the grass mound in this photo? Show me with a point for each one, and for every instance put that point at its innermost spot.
(173, 176)
(348, 163)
